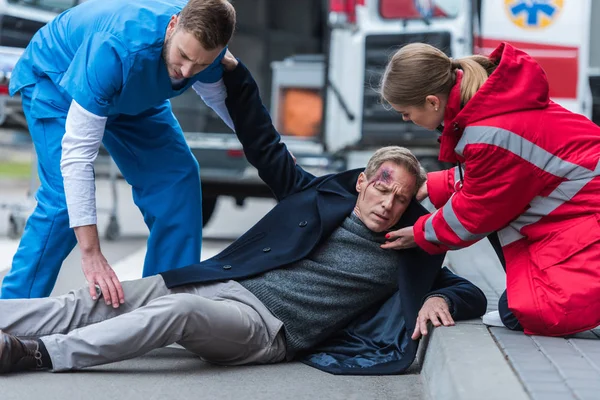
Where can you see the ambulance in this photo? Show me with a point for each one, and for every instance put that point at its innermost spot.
(364, 33)
(363, 36)
(562, 35)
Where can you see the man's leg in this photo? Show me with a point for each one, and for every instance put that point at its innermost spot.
(154, 158)
(32, 318)
(47, 239)
(220, 330)
(257, 338)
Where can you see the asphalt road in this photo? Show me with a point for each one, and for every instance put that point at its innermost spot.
(172, 373)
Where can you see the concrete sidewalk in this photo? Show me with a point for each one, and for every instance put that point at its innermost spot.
(472, 361)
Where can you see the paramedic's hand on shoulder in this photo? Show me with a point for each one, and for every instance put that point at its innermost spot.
(422, 193)
(401, 239)
(436, 310)
(229, 61)
(96, 269)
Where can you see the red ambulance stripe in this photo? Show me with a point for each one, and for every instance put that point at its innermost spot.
(561, 63)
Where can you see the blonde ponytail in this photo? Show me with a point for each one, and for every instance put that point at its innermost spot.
(418, 70)
(476, 71)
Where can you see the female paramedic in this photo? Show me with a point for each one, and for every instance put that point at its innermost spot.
(103, 71)
(527, 175)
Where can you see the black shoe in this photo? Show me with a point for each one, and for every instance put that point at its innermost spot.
(19, 355)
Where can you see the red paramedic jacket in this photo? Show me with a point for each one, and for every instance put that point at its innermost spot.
(532, 174)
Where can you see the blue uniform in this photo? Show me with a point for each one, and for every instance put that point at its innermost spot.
(107, 56)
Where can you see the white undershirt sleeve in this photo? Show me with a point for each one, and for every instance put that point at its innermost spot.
(214, 95)
(80, 144)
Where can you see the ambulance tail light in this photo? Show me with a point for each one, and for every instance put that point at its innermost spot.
(300, 112)
(4, 80)
(235, 153)
(342, 13)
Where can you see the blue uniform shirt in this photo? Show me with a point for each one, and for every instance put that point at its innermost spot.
(107, 56)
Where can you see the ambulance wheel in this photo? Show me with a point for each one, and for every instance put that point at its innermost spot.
(113, 230)
(208, 208)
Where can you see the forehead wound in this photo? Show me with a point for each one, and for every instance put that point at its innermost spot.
(384, 175)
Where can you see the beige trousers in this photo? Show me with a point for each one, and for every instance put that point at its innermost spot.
(220, 322)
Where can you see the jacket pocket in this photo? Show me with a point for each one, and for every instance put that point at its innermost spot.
(561, 246)
(47, 100)
(567, 279)
(239, 244)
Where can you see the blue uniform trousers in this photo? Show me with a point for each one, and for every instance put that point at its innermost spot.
(154, 158)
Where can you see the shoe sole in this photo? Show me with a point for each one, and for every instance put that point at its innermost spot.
(493, 322)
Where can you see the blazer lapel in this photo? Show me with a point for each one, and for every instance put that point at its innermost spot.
(336, 198)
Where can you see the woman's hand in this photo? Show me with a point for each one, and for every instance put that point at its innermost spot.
(229, 61)
(401, 239)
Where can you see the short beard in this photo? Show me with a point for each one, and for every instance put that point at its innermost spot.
(165, 51)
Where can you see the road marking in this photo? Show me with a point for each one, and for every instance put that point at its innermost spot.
(130, 267)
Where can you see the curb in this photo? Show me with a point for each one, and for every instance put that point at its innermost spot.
(464, 362)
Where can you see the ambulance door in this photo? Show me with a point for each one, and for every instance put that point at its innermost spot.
(554, 32)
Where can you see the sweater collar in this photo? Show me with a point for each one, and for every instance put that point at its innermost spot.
(356, 226)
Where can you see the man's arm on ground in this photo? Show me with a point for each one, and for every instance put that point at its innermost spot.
(261, 141)
(466, 300)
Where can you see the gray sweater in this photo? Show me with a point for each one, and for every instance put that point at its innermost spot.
(320, 294)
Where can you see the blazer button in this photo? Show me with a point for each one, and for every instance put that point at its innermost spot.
(302, 224)
(226, 266)
(266, 249)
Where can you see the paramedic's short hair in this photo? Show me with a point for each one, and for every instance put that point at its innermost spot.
(400, 156)
(212, 22)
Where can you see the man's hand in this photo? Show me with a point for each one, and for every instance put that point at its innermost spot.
(422, 194)
(435, 310)
(229, 61)
(401, 239)
(96, 269)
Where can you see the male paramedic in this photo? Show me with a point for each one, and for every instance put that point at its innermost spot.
(103, 71)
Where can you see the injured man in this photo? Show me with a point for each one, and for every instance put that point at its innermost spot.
(317, 279)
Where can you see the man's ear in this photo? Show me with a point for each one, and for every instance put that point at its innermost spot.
(362, 178)
(172, 24)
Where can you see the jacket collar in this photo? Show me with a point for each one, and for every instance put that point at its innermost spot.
(336, 199)
(452, 126)
(342, 184)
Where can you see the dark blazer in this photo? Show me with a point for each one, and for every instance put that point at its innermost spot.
(310, 208)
